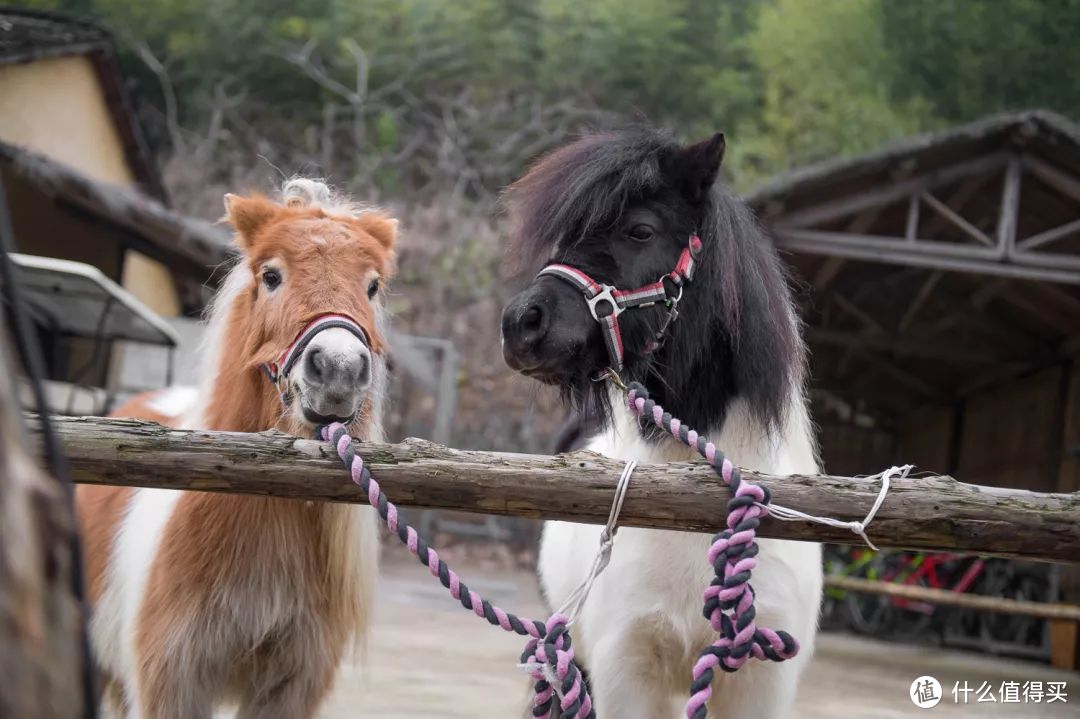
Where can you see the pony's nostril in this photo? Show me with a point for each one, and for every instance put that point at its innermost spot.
(363, 371)
(315, 365)
(533, 319)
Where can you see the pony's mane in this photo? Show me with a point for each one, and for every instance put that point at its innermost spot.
(746, 330)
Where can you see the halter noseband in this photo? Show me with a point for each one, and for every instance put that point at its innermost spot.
(606, 302)
(278, 371)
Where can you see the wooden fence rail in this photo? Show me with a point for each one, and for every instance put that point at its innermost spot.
(920, 512)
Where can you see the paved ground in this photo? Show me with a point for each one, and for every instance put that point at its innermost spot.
(429, 658)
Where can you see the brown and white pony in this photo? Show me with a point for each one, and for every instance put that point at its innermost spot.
(206, 599)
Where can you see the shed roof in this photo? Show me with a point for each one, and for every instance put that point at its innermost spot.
(939, 266)
(1039, 131)
(184, 244)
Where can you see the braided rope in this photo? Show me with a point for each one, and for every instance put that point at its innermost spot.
(548, 652)
(729, 599)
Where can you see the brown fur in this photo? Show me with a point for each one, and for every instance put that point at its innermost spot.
(256, 598)
(100, 509)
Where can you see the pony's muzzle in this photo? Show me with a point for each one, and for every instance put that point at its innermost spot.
(524, 326)
(335, 374)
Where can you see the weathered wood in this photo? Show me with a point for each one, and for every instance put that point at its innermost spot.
(964, 600)
(932, 512)
(40, 618)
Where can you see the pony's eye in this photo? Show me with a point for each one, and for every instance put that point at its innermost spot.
(640, 233)
(373, 288)
(271, 278)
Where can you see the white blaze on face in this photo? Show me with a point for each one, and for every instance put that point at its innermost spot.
(332, 376)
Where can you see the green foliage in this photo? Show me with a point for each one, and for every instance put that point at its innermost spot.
(790, 81)
(827, 86)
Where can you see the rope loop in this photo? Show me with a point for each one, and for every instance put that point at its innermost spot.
(729, 598)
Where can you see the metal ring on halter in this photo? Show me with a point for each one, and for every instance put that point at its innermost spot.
(606, 294)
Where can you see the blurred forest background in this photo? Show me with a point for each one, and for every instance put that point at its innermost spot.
(430, 107)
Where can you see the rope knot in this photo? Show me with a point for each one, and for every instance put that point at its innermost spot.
(729, 598)
(550, 661)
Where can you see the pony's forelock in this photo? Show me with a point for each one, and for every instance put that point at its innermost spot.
(315, 193)
(578, 188)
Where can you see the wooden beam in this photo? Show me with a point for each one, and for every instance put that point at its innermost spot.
(1047, 236)
(909, 379)
(911, 228)
(965, 600)
(865, 319)
(1061, 181)
(828, 271)
(945, 211)
(880, 196)
(944, 353)
(920, 299)
(864, 220)
(1010, 207)
(957, 201)
(1038, 313)
(920, 512)
(936, 256)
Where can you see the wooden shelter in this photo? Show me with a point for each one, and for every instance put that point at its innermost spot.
(940, 286)
(81, 182)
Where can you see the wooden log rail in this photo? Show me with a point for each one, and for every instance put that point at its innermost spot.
(963, 600)
(920, 512)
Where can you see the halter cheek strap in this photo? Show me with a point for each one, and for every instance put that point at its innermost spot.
(279, 370)
(606, 303)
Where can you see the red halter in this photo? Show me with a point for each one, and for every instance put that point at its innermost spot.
(279, 370)
(606, 303)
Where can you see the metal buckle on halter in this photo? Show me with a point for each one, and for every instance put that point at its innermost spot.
(607, 292)
(673, 302)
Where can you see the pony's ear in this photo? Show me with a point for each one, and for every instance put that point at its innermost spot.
(248, 214)
(381, 227)
(696, 166)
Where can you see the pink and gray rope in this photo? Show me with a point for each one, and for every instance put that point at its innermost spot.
(549, 653)
(729, 599)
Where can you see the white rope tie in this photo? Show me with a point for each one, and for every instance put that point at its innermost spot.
(793, 515)
(576, 601)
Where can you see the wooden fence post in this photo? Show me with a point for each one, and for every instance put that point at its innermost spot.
(41, 646)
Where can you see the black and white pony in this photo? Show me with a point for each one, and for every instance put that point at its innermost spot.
(621, 208)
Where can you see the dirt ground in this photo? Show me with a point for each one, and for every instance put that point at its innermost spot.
(430, 658)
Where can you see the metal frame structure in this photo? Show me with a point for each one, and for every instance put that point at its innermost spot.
(1000, 253)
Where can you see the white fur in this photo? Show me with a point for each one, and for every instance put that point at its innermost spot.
(340, 347)
(116, 612)
(642, 628)
(173, 401)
